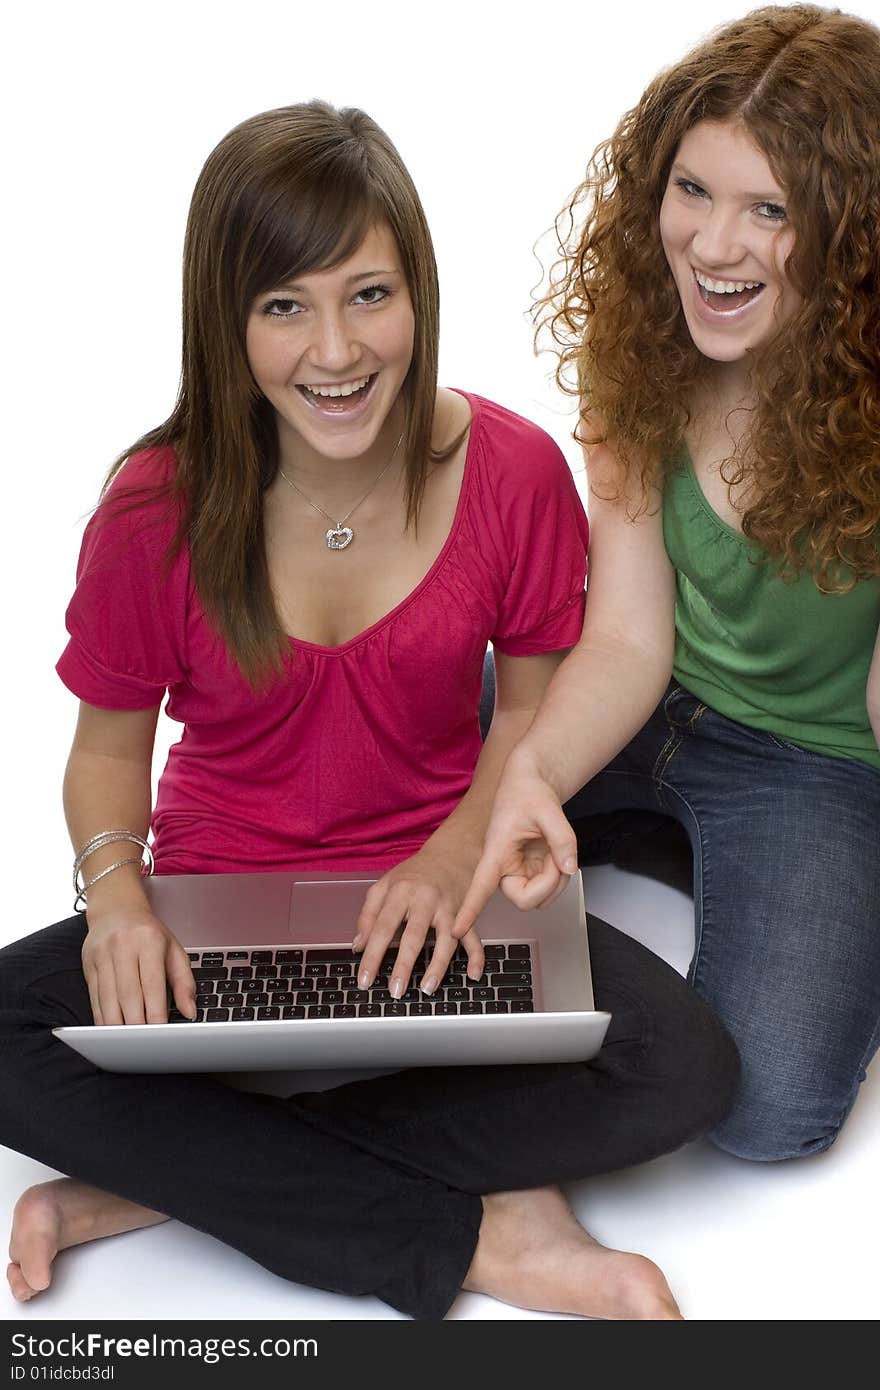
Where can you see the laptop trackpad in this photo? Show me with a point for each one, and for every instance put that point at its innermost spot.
(327, 911)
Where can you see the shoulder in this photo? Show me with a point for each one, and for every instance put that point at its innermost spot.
(140, 509)
(514, 447)
(150, 472)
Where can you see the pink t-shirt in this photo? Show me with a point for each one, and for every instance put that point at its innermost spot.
(356, 755)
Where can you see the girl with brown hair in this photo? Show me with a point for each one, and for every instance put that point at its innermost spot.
(720, 302)
(309, 556)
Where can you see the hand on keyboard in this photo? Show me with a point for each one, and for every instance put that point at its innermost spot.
(131, 961)
(424, 891)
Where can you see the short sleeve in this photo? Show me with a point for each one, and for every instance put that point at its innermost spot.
(543, 525)
(126, 618)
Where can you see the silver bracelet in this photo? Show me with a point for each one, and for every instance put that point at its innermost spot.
(80, 903)
(106, 837)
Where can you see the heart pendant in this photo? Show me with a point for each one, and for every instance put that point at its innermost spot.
(338, 537)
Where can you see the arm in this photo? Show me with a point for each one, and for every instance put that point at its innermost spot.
(428, 888)
(128, 954)
(872, 691)
(600, 697)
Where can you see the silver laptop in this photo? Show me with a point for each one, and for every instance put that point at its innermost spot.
(278, 990)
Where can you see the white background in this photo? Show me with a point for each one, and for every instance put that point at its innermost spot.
(111, 111)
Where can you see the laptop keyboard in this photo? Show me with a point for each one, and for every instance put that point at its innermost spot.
(276, 982)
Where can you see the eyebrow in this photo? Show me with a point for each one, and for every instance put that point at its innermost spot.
(350, 280)
(764, 197)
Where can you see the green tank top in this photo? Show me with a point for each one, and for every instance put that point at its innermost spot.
(771, 654)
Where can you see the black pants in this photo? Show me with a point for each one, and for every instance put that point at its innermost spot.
(372, 1188)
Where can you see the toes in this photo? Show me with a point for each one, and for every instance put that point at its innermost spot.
(21, 1289)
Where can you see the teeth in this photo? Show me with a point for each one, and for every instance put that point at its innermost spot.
(346, 388)
(725, 286)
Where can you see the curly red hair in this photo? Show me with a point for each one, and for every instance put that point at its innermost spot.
(805, 83)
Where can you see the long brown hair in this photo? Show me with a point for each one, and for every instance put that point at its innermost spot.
(805, 83)
(285, 193)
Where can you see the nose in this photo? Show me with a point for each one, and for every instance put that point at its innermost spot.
(333, 345)
(718, 240)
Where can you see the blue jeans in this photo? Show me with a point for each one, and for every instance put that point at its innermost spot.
(786, 885)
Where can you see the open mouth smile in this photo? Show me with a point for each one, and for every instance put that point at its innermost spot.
(726, 296)
(339, 398)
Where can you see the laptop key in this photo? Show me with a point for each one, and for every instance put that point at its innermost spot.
(283, 996)
(471, 1007)
(268, 1011)
(308, 996)
(261, 957)
(239, 1015)
(216, 1015)
(212, 972)
(232, 1001)
(496, 1006)
(241, 972)
(483, 992)
(293, 1011)
(332, 996)
(519, 952)
(236, 955)
(357, 996)
(318, 1011)
(207, 1001)
(369, 1010)
(515, 977)
(344, 1011)
(522, 1006)
(445, 1008)
(514, 992)
(458, 994)
(396, 1009)
(293, 956)
(252, 986)
(421, 1009)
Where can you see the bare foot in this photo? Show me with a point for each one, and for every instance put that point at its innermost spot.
(533, 1252)
(54, 1215)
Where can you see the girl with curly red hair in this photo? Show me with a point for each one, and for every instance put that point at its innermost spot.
(718, 295)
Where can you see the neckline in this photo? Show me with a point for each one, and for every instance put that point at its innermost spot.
(300, 643)
(707, 507)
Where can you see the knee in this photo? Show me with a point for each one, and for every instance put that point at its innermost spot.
(704, 1074)
(768, 1131)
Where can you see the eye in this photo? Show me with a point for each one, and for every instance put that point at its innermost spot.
(689, 188)
(280, 308)
(372, 294)
(771, 212)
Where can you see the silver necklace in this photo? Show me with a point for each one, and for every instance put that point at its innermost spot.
(339, 535)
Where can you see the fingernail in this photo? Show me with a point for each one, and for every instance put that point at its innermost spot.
(357, 943)
(428, 985)
(396, 987)
(364, 979)
(570, 866)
